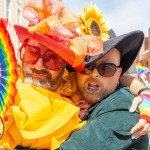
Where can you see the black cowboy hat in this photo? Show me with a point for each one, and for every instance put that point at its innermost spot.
(128, 45)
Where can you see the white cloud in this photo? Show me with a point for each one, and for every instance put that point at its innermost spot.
(123, 15)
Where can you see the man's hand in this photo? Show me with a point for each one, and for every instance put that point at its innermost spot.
(136, 101)
(84, 106)
(143, 126)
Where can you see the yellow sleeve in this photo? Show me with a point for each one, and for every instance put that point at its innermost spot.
(7, 142)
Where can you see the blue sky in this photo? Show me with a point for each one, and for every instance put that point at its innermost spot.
(123, 15)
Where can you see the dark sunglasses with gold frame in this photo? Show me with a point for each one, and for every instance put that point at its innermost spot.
(105, 69)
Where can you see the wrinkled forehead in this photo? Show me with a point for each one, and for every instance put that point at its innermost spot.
(113, 56)
(34, 43)
(37, 44)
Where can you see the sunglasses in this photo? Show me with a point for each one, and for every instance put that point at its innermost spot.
(30, 54)
(105, 69)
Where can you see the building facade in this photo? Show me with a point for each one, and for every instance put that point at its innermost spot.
(12, 9)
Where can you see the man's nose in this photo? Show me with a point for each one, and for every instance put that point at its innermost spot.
(39, 64)
(95, 73)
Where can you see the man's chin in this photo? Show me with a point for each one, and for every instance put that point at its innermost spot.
(92, 98)
(41, 83)
(37, 82)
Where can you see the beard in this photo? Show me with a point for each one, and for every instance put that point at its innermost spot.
(94, 97)
(47, 82)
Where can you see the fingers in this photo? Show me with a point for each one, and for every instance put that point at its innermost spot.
(141, 132)
(77, 104)
(136, 101)
(141, 128)
(82, 104)
(140, 125)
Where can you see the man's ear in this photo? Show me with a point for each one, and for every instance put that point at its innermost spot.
(119, 71)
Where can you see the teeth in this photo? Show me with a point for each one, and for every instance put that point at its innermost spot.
(93, 87)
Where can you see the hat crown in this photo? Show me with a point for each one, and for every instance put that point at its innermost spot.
(50, 17)
(35, 12)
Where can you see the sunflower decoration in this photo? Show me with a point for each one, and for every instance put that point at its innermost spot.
(93, 23)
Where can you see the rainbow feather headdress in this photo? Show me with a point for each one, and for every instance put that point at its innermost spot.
(8, 70)
(140, 69)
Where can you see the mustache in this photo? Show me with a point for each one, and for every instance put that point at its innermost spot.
(95, 80)
(43, 71)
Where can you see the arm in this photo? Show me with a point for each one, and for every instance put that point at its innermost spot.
(108, 131)
(143, 125)
(134, 84)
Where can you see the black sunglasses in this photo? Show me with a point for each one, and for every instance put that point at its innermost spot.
(105, 69)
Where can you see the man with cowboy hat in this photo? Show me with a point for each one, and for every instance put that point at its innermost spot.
(109, 121)
(41, 52)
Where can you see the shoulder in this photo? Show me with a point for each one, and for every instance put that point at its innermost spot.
(119, 100)
(115, 110)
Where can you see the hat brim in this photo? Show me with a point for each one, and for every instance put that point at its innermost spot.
(128, 46)
(65, 53)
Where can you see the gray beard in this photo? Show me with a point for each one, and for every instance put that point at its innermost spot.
(47, 83)
(42, 83)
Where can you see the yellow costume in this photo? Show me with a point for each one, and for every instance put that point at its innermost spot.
(42, 119)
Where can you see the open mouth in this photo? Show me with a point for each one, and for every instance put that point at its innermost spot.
(92, 87)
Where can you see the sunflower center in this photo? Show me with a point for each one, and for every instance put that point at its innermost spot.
(95, 29)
